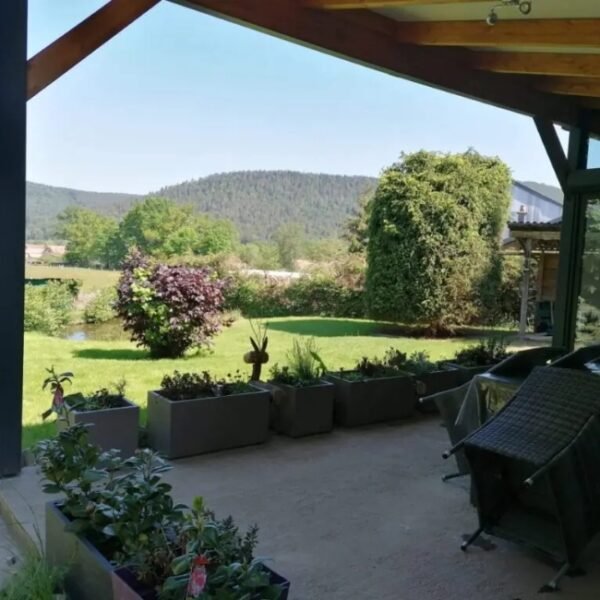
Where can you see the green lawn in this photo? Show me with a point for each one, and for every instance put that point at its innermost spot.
(91, 279)
(98, 363)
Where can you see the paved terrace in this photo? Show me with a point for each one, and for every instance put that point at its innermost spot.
(354, 515)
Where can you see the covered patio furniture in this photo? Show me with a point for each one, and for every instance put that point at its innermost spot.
(581, 358)
(535, 466)
(466, 407)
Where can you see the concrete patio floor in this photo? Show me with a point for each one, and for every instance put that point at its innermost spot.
(353, 515)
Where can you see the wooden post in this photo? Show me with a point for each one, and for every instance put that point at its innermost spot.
(13, 99)
(527, 247)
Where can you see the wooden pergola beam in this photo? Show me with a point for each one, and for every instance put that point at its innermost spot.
(366, 4)
(370, 39)
(571, 86)
(554, 150)
(539, 63)
(78, 43)
(582, 33)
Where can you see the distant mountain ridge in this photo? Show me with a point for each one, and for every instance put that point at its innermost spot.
(258, 202)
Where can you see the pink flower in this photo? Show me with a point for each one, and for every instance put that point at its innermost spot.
(198, 577)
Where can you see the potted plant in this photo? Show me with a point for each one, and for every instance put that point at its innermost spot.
(302, 399)
(113, 420)
(478, 358)
(119, 534)
(196, 413)
(374, 391)
(431, 378)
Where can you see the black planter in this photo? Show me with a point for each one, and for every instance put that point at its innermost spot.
(373, 400)
(89, 573)
(300, 411)
(434, 383)
(126, 586)
(116, 428)
(178, 428)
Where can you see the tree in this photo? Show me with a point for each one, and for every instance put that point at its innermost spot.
(291, 241)
(356, 229)
(434, 232)
(161, 228)
(90, 237)
(168, 309)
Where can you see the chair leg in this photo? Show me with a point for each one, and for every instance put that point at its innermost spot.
(471, 539)
(552, 585)
(453, 476)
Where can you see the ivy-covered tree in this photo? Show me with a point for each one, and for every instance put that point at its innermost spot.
(433, 237)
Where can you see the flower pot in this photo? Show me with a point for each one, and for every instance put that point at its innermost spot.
(110, 428)
(89, 573)
(300, 411)
(178, 428)
(372, 400)
(435, 382)
(127, 587)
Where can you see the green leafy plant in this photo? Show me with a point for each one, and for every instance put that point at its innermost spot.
(185, 386)
(48, 307)
(127, 511)
(55, 382)
(102, 307)
(393, 363)
(487, 352)
(34, 579)
(101, 399)
(419, 363)
(305, 367)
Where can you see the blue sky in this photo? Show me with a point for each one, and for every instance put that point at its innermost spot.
(180, 95)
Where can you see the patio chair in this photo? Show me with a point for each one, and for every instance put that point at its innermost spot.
(578, 359)
(466, 407)
(535, 466)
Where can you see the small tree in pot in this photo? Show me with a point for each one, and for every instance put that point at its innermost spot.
(302, 399)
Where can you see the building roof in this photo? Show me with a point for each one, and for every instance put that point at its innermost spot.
(552, 194)
(553, 225)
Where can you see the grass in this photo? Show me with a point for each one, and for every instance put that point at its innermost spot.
(341, 343)
(91, 279)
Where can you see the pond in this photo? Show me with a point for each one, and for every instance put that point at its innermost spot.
(109, 331)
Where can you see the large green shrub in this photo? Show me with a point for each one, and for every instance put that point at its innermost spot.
(434, 229)
(101, 307)
(317, 295)
(48, 307)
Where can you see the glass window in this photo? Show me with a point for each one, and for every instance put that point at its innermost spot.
(588, 314)
(594, 154)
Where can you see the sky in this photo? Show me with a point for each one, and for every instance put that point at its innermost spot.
(180, 95)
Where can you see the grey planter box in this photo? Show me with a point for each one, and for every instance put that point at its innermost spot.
(299, 411)
(373, 400)
(434, 383)
(89, 575)
(111, 428)
(178, 428)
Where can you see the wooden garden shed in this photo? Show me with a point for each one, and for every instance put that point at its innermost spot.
(540, 58)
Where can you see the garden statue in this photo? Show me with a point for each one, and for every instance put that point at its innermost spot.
(258, 356)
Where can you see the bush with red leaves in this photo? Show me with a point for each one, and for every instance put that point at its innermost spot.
(168, 309)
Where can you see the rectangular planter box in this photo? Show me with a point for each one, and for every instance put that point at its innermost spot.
(374, 400)
(125, 586)
(111, 428)
(299, 411)
(178, 428)
(89, 575)
(434, 383)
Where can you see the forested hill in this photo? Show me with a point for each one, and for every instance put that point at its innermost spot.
(258, 202)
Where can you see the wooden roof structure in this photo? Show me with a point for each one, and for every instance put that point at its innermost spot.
(545, 63)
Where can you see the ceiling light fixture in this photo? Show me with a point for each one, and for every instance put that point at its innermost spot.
(524, 7)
